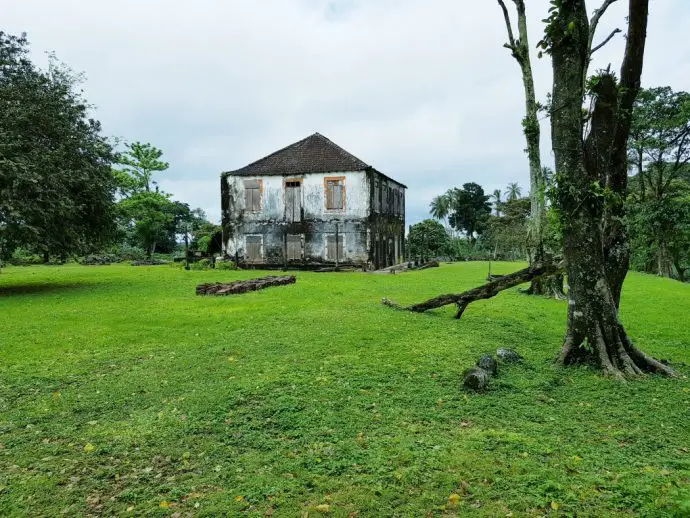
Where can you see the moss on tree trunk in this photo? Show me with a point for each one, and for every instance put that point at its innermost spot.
(591, 178)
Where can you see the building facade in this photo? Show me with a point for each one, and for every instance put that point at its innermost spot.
(312, 204)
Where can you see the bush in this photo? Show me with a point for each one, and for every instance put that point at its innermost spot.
(98, 259)
(126, 252)
(22, 257)
(225, 265)
(202, 264)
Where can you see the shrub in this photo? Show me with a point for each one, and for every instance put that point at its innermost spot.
(225, 265)
(22, 257)
(126, 252)
(202, 264)
(98, 259)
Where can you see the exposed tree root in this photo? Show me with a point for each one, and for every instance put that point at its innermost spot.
(491, 289)
(609, 347)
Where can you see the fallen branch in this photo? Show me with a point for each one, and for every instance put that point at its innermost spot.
(486, 291)
(232, 288)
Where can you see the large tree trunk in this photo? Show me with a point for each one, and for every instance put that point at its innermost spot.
(594, 244)
(664, 265)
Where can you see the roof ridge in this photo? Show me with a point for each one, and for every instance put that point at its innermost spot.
(332, 156)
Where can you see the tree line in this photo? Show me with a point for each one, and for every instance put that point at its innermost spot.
(657, 202)
(66, 189)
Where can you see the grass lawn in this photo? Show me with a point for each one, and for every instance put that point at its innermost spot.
(123, 392)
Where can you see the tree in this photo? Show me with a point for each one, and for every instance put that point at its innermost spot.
(660, 232)
(496, 195)
(439, 207)
(153, 218)
(659, 143)
(428, 239)
(507, 234)
(140, 161)
(513, 192)
(659, 152)
(591, 180)
(56, 188)
(520, 50)
(467, 209)
(206, 236)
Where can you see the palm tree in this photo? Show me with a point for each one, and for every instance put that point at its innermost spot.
(514, 191)
(496, 195)
(440, 206)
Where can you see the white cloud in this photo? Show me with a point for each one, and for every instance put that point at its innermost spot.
(423, 90)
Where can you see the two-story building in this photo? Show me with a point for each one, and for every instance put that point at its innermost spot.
(312, 204)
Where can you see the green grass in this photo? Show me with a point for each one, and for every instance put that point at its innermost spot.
(121, 391)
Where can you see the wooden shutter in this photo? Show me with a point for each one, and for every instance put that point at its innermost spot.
(338, 196)
(252, 195)
(254, 246)
(331, 247)
(335, 198)
(294, 247)
(329, 194)
(293, 201)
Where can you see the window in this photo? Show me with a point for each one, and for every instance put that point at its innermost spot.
(376, 195)
(294, 247)
(333, 252)
(252, 195)
(254, 248)
(335, 193)
(293, 200)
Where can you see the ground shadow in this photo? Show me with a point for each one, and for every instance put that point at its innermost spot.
(47, 287)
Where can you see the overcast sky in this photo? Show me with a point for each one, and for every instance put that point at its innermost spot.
(421, 89)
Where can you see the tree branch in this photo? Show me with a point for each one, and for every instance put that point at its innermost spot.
(631, 70)
(594, 22)
(511, 39)
(486, 291)
(613, 33)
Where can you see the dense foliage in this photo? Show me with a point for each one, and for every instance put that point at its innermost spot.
(428, 239)
(659, 202)
(56, 186)
(466, 209)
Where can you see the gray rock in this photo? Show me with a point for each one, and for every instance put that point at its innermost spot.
(508, 355)
(476, 378)
(488, 363)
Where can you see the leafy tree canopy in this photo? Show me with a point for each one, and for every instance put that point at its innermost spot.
(658, 206)
(428, 239)
(467, 209)
(153, 219)
(140, 161)
(56, 186)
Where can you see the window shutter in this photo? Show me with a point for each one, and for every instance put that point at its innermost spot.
(252, 195)
(337, 196)
(329, 195)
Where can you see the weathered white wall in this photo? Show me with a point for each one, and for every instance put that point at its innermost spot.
(270, 221)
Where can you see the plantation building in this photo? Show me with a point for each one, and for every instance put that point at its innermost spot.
(312, 204)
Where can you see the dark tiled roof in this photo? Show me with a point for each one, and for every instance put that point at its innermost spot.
(314, 154)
